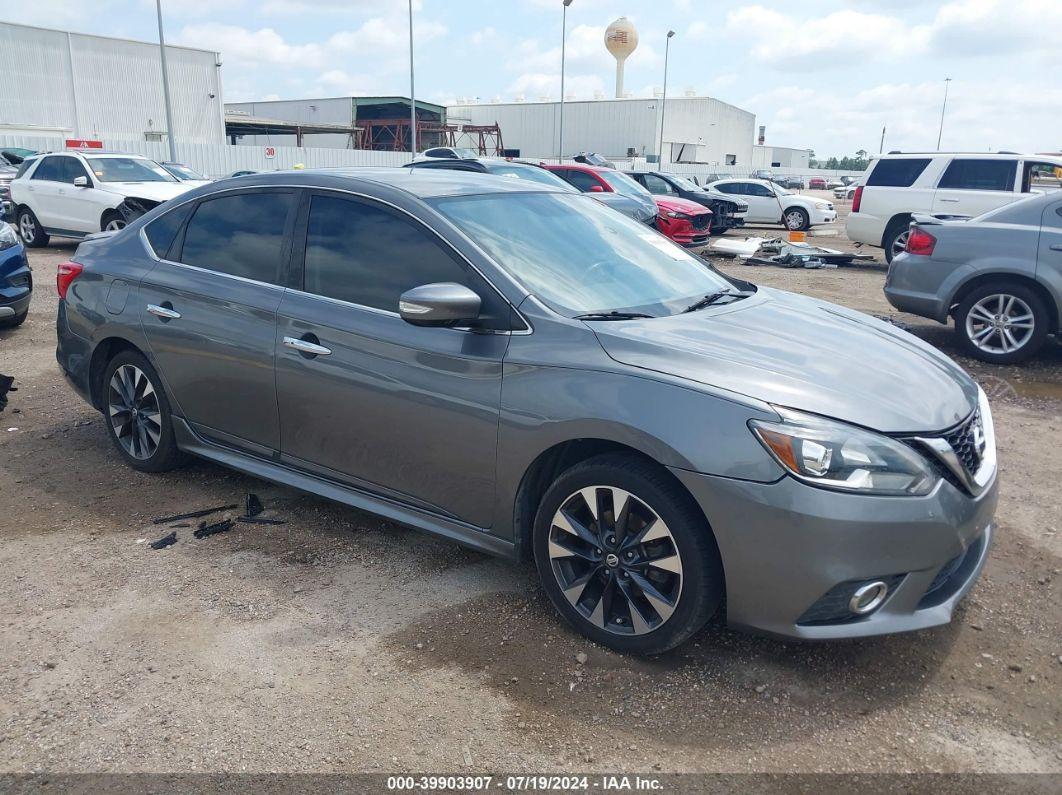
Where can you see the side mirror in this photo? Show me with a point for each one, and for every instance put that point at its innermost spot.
(81, 182)
(596, 189)
(440, 304)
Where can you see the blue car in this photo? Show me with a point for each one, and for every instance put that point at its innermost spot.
(16, 281)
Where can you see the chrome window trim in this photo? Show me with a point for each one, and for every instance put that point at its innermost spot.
(151, 253)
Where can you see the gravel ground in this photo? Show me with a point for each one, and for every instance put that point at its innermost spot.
(339, 642)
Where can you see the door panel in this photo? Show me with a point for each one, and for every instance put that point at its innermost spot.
(1049, 256)
(409, 412)
(43, 186)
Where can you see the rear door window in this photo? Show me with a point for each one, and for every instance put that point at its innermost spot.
(900, 172)
(163, 230)
(580, 179)
(51, 169)
(971, 174)
(241, 235)
(657, 185)
(733, 188)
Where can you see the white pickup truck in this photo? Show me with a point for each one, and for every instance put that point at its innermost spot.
(943, 184)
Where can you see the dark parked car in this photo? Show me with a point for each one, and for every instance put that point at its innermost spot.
(728, 212)
(499, 167)
(16, 280)
(612, 188)
(998, 276)
(791, 182)
(528, 373)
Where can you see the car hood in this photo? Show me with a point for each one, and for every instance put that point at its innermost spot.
(638, 210)
(155, 191)
(677, 205)
(800, 353)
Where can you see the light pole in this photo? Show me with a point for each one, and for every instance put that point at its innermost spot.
(564, 36)
(942, 109)
(166, 87)
(663, 102)
(412, 99)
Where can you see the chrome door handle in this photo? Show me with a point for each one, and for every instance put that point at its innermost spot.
(1057, 247)
(163, 312)
(304, 346)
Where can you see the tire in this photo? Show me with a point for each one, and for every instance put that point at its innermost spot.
(14, 322)
(607, 576)
(30, 229)
(796, 219)
(895, 239)
(1002, 323)
(146, 440)
(112, 222)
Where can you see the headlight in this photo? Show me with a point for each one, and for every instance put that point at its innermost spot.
(673, 214)
(8, 238)
(834, 455)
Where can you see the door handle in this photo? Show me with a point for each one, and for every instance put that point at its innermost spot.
(1057, 247)
(164, 312)
(950, 201)
(306, 347)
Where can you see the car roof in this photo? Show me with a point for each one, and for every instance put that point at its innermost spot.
(582, 167)
(973, 155)
(424, 183)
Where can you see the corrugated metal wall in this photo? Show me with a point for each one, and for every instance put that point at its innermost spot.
(96, 87)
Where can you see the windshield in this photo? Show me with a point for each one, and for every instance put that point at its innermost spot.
(621, 183)
(128, 169)
(578, 256)
(182, 172)
(684, 183)
(531, 173)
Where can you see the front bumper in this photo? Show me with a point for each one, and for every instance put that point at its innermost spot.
(823, 216)
(785, 545)
(16, 282)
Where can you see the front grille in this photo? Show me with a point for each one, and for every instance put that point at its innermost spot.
(701, 221)
(964, 441)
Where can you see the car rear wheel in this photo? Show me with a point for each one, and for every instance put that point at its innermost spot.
(29, 228)
(626, 556)
(1002, 323)
(896, 238)
(796, 219)
(138, 414)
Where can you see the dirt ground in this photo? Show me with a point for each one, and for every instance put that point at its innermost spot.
(339, 642)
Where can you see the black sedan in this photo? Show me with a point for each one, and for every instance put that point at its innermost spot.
(729, 211)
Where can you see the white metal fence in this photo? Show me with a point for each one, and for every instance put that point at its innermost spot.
(219, 160)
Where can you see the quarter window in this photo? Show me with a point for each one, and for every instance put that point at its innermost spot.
(367, 255)
(240, 235)
(51, 169)
(979, 175)
(898, 172)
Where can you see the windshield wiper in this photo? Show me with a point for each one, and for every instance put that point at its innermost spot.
(714, 298)
(612, 315)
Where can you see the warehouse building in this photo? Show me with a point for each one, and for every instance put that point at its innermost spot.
(780, 157)
(696, 129)
(71, 85)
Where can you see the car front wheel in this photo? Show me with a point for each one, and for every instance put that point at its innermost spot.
(626, 556)
(1002, 323)
(796, 219)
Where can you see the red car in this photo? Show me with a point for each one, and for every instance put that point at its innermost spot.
(687, 223)
(817, 183)
(612, 188)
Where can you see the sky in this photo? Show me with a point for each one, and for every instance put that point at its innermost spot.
(820, 74)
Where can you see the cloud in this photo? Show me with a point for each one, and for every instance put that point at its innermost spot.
(533, 85)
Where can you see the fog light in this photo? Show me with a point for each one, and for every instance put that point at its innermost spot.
(868, 598)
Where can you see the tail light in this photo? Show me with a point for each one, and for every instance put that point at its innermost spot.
(857, 197)
(68, 271)
(921, 242)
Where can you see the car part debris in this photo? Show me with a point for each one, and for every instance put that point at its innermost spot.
(258, 520)
(737, 248)
(212, 529)
(6, 382)
(798, 255)
(193, 514)
(165, 541)
(252, 506)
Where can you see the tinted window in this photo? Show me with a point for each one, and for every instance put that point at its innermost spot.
(900, 172)
(364, 254)
(654, 184)
(752, 189)
(72, 169)
(163, 230)
(979, 175)
(241, 235)
(51, 168)
(23, 168)
(580, 179)
(733, 188)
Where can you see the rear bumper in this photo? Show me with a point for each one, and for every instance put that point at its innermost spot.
(74, 354)
(786, 545)
(864, 228)
(914, 284)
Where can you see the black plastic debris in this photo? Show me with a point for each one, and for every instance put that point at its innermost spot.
(192, 514)
(165, 541)
(6, 382)
(212, 529)
(252, 506)
(258, 520)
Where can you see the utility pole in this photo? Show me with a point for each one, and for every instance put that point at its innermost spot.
(942, 109)
(412, 98)
(663, 102)
(564, 37)
(881, 147)
(166, 87)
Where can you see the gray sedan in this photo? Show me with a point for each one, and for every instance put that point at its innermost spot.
(529, 373)
(999, 276)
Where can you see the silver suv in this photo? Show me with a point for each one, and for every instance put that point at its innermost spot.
(530, 373)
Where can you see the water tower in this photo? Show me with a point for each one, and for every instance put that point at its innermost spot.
(621, 38)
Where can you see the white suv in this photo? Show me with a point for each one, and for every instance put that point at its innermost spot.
(943, 184)
(73, 194)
